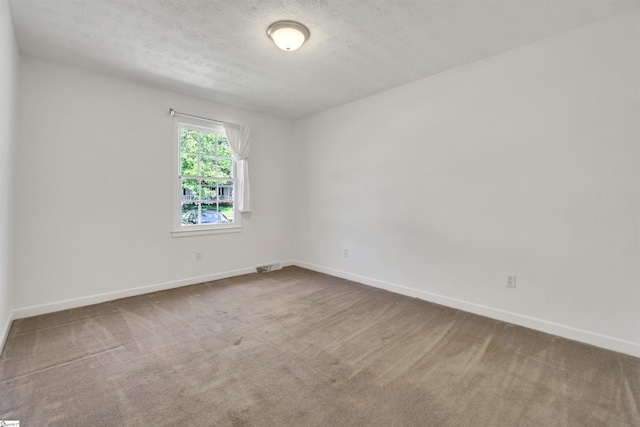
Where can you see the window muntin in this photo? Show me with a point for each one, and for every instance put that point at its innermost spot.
(206, 179)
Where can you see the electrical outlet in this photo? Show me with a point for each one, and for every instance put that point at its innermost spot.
(346, 253)
(198, 256)
(511, 280)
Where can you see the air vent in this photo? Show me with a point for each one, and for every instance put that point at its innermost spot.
(269, 267)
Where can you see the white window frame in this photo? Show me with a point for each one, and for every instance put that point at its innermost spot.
(179, 230)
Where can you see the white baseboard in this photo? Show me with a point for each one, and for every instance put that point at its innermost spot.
(35, 310)
(6, 326)
(598, 340)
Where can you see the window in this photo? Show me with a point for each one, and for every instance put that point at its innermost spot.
(205, 180)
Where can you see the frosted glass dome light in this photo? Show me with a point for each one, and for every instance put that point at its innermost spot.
(288, 35)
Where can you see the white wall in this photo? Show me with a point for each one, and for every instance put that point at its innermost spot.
(94, 191)
(8, 94)
(525, 163)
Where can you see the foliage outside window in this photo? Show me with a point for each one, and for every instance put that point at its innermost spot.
(206, 178)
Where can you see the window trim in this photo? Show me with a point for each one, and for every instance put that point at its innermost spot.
(177, 229)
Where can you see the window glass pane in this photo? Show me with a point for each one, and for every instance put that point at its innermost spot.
(224, 150)
(208, 143)
(190, 190)
(225, 198)
(225, 191)
(207, 166)
(188, 141)
(189, 164)
(209, 192)
(226, 211)
(189, 216)
(214, 216)
(211, 213)
(224, 168)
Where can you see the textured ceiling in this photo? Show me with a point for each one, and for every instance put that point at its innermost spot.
(219, 50)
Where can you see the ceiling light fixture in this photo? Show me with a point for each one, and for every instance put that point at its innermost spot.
(288, 35)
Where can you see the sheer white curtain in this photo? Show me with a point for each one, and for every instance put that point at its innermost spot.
(238, 136)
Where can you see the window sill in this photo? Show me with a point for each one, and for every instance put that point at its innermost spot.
(201, 231)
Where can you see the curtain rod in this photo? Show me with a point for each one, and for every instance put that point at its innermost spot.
(173, 113)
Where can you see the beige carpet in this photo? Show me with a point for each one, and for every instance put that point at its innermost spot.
(298, 348)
